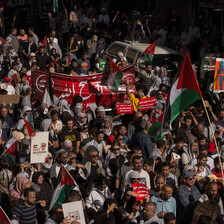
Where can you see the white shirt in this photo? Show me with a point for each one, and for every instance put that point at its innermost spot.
(194, 31)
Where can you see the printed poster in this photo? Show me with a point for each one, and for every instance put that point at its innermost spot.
(219, 76)
(74, 211)
(39, 147)
(140, 191)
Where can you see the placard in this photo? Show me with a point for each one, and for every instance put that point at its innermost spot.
(39, 147)
(74, 211)
(13, 99)
(219, 75)
(140, 190)
(147, 103)
(124, 108)
(102, 64)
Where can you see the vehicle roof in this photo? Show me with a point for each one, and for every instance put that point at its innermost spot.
(143, 46)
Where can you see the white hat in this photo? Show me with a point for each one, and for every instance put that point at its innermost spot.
(100, 109)
(18, 135)
(134, 174)
(120, 54)
(25, 109)
(32, 54)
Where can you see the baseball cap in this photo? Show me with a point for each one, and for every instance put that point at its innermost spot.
(158, 105)
(95, 37)
(134, 175)
(100, 109)
(187, 174)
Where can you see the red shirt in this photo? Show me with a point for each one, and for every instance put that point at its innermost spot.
(219, 175)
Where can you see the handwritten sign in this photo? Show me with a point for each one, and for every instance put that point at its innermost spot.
(123, 108)
(147, 103)
(39, 147)
(140, 190)
(74, 211)
(13, 99)
(88, 87)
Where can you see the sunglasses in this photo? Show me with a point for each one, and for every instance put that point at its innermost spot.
(121, 139)
(135, 178)
(72, 158)
(190, 179)
(49, 158)
(95, 156)
(159, 94)
(82, 117)
(117, 149)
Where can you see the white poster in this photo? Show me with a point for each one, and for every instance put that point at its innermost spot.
(74, 211)
(39, 147)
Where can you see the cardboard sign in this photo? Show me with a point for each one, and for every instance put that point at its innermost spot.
(39, 147)
(123, 108)
(140, 190)
(147, 103)
(13, 99)
(219, 75)
(74, 211)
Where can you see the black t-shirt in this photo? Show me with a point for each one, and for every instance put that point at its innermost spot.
(73, 135)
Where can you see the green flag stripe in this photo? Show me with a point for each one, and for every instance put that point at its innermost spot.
(64, 192)
(10, 160)
(153, 130)
(117, 81)
(149, 58)
(185, 99)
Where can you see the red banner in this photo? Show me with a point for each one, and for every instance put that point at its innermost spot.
(141, 191)
(88, 87)
(124, 108)
(147, 103)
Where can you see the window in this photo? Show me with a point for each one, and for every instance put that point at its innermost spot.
(115, 48)
(130, 56)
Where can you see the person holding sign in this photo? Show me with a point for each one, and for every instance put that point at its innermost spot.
(135, 98)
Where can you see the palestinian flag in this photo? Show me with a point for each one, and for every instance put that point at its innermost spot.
(155, 130)
(4, 219)
(184, 91)
(29, 128)
(64, 187)
(48, 93)
(9, 154)
(114, 76)
(55, 6)
(149, 53)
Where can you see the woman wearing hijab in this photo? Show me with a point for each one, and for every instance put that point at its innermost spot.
(43, 196)
(21, 184)
(46, 125)
(45, 167)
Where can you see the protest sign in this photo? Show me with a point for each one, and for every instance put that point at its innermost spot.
(74, 211)
(207, 65)
(147, 103)
(39, 147)
(102, 65)
(124, 108)
(88, 87)
(219, 75)
(13, 99)
(140, 190)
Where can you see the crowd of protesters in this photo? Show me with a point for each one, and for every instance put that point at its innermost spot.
(105, 152)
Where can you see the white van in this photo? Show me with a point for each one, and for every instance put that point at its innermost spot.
(132, 51)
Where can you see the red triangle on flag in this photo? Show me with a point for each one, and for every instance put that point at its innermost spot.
(113, 67)
(66, 178)
(160, 118)
(30, 130)
(11, 149)
(150, 49)
(187, 78)
(4, 219)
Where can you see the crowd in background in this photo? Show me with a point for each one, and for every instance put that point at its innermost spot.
(106, 152)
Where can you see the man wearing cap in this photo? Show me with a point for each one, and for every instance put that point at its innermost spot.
(98, 121)
(186, 198)
(91, 45)
(158, 110)
(104, 16)
(10, 89)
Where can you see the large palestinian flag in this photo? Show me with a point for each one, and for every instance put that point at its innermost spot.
(184, 91)
(9, 154)
(66, 184)
(4, 219)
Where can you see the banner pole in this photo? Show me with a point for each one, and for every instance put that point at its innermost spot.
(213, 136)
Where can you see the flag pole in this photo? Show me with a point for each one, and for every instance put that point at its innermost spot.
(216, 145)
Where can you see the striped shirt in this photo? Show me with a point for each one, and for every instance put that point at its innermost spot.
(25, 215)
